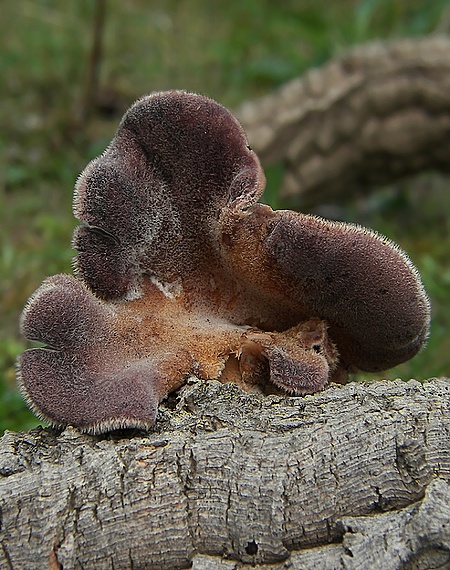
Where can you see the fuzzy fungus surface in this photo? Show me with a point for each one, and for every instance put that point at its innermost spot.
(181, 271)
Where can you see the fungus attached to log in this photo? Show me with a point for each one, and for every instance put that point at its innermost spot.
(180, 271)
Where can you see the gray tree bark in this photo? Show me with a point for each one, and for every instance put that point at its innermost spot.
(355, 477)
(377, 113)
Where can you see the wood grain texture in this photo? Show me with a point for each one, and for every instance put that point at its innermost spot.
(225, 479)
(378, 112)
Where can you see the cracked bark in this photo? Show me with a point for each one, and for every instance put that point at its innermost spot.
(355, 477)
(377, 113)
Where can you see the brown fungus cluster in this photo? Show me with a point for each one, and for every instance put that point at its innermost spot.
(180, 271)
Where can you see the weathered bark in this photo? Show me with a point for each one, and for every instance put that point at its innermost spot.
(226, 479)
(377, 113)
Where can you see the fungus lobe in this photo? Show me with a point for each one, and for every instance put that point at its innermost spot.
(181, 271)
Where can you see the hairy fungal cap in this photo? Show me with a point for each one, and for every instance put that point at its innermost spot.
(180, 271)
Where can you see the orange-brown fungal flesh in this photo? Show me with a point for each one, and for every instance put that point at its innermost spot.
(180, 272)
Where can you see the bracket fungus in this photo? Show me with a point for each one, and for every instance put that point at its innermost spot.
(181, 271)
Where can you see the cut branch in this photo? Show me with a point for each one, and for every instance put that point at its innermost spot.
(227, 477)
(373, 115)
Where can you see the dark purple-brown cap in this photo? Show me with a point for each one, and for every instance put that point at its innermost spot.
(181, 272)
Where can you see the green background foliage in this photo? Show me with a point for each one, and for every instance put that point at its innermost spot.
(51, 126)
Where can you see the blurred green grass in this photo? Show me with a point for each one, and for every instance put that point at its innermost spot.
(231, 51)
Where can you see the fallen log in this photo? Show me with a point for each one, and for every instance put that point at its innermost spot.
(377, 113)
(226, 479)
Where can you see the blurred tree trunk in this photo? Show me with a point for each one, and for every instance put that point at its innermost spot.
(228, 480)
(93, 63)
(379, 112)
